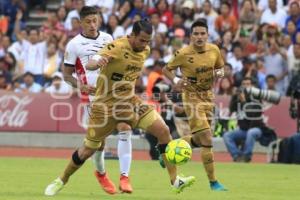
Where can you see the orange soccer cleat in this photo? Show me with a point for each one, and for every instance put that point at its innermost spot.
(106, 184)
(125, 185)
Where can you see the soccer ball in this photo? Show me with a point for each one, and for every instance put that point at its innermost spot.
(178, 152)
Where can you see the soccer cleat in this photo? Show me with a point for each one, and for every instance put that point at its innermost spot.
(125, 185)
(161, 161)
(107, 185)
(182, 182)
(54, 187)
(216, 186)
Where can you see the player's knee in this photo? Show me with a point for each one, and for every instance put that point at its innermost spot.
(84, 153)
(80, 156)
(164, 135)
(123, 127)
(102, 146)
(125, 135)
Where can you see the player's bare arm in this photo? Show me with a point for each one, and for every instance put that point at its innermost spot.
(98, 62)
(71, 80)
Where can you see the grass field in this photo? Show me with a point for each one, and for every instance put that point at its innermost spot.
(26, 178)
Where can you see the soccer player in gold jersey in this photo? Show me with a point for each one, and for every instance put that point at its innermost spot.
(121, 63)
(200, 62)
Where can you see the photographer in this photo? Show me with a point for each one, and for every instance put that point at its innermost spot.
(249, 111)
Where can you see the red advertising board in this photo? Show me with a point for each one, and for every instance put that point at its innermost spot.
(45, 113)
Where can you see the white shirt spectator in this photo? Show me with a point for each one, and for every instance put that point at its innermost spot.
(64, 88)
(236, 64)
(278, 18)
(34, 88)
(264, 4)
(119, 32)
(34, 56)
(161, 28)
(68, 21)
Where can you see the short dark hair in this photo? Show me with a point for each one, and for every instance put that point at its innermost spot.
(199, 22)
(142, 25)
(271, 76)
(248, 79)
(87, 10)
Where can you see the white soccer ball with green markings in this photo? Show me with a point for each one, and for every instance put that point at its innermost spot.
(178, 152)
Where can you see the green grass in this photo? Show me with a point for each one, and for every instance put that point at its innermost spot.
(26, 179)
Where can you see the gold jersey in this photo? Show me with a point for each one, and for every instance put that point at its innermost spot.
(116, 82)
(197, 67)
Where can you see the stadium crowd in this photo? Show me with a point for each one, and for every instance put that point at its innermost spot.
(258, 39)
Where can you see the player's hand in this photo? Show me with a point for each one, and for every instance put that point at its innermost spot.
(88, 89)
(102, 62)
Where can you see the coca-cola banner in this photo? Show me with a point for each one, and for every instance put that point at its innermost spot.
(47, 113)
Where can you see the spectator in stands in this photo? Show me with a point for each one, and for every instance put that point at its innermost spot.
(274, 63)
(5, 81)
(10, 9)
(138, 8)
(264, 4)
(226, 21)
(248, 70)
(227, 40)
(293, 60)
(294, 11)
(29, 85)
(158, 27)
(188, 13)
(114, 28)
(271, 82)
(33, 51)
(274, 15)
(225, 86)
(291, 30)
(61, 14)
(250, 124)
(52, 62)
(248, 18)
(236, 58)
(124, 11)
(177, 24)
(209, 14)
(58, 86)
(165, 14)
(73, 13)
(243, 37)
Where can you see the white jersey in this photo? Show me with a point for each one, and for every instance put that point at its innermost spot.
(78, 52)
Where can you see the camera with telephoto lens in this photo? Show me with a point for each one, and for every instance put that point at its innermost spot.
(266, 95)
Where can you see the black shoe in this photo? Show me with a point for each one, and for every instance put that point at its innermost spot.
(246, 159)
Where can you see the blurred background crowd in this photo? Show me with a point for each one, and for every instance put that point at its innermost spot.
(258, 38)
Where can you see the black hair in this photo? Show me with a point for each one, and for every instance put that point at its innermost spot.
(142, 25)
(271, 76)
(199, 22)
(87, 10)
(229, 65)
(248, 79)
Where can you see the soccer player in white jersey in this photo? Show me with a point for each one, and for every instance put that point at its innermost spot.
(78, 51)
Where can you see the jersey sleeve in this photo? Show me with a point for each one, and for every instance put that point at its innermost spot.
(176, 61)
(70, 55)
(219, 62)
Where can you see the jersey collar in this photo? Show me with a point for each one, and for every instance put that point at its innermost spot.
(91, 38)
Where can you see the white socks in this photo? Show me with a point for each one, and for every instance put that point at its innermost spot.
(125, 152)
(98, 159)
